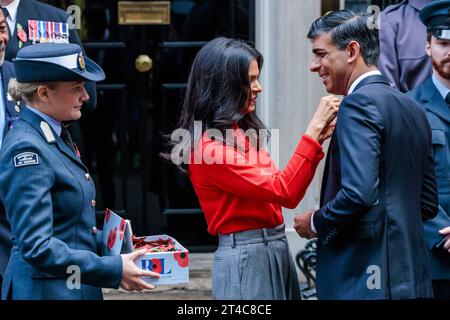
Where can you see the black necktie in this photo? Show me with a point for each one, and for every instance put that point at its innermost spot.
(447, 98)
(65, 136)
(6, 14)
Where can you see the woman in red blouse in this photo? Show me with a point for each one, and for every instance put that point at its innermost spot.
(238, 185)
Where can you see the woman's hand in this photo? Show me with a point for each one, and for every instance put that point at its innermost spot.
(131, 274)
(322, 124)
(328, 132)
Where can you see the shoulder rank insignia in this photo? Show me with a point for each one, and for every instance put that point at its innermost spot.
(26, 159)
(47, 132)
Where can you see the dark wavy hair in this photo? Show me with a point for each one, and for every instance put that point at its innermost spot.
(346, 26)
(218, 89)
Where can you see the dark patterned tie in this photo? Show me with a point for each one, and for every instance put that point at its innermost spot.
(6, 14)
(447, 98)
(65, 136)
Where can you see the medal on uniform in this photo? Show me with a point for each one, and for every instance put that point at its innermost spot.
(48, 31)
(33, 31)
(65, 33)
(41, 31)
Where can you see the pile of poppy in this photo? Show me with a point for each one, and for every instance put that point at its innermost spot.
(159, 245)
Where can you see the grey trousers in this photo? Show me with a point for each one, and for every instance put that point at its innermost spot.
(254, 265)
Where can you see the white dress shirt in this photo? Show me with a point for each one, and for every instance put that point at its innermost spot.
(11, 19)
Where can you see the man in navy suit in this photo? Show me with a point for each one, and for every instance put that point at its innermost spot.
(434, 96)
(19, 13)
(9, 112)
(379, 181)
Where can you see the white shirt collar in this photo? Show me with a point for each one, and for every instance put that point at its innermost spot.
(12, 10)
(361, 78)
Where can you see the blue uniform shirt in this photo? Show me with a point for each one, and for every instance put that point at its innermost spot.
(55, 124)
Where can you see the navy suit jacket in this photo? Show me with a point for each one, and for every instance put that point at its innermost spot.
(438, 113)
(35, 10)
(48, 198)
(378, 185)
(12, 113)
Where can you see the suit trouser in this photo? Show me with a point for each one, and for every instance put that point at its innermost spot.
(441, 289)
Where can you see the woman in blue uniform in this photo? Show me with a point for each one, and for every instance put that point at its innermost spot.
(47, 191)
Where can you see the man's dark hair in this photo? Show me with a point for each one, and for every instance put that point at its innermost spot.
(218, 90)
(346, 26)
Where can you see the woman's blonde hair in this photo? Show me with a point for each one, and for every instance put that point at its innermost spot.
(26, 90)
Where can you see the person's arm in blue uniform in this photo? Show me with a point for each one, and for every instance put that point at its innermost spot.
(429, 203)
(388, 62)
(27, 194)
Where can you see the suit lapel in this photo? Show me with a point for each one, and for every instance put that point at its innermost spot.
(65, 149)
(13, 44)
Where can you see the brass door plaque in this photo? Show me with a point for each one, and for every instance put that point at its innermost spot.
(144, 12)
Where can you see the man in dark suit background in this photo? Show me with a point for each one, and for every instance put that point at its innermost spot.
(9, 112)
(434, 96)
(379, 179)
(19, 12)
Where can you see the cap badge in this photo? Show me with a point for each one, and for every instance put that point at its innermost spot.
(81, 63)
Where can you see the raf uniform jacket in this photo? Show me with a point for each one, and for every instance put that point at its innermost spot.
(35, 10)
(379, 184)
(48, 195)
(12, 113)
(403, 59)
(438, 113)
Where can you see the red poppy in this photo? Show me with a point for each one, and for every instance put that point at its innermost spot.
(21, 34)
(111, 239)
(123, 223)
(156, 265)
(182, 257)
(107, 215)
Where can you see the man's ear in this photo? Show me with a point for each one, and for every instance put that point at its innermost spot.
(428, 48)
(43, 93)
(353, 49)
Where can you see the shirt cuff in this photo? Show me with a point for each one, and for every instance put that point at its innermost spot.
(313, 228)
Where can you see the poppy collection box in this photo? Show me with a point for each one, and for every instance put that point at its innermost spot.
(165, 255)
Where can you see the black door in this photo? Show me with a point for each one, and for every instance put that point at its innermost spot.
(123, 136)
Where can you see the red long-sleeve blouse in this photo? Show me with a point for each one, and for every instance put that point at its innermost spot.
(237, 193)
